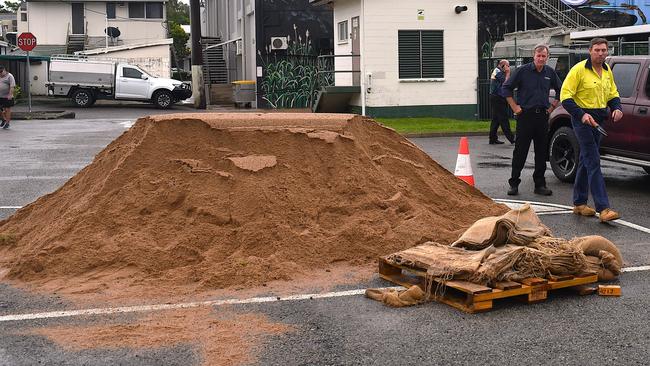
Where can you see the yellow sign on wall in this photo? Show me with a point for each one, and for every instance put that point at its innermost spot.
(420, 14)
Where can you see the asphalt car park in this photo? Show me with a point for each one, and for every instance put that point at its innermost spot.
(340, 326)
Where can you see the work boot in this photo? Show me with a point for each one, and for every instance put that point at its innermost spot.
(6, 126)
(583, 210)
(496, 142)
(608, 215)
(543, 191)
(513, 191)
(2, 123)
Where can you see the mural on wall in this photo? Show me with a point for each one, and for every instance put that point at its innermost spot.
(292, 79)
(613, 13)
(292, 34)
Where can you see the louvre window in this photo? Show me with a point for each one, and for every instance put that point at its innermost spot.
(420, 54)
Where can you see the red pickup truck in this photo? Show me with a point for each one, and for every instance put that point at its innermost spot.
(628, 140)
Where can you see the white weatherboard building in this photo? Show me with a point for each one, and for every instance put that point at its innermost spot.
(416, 58)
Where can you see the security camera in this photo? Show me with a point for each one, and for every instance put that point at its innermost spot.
(459, 9)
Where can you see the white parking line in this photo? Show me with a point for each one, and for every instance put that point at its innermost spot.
(11, 207)
(187, 305)
(143, 308)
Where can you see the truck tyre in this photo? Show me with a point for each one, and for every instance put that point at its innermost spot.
(83, 98)
(564, 153)
(163, 99)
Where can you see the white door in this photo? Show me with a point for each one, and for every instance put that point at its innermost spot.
(131, 85)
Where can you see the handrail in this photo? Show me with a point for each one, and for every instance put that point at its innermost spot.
(561, 13)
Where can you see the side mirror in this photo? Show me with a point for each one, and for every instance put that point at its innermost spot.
(144, 77)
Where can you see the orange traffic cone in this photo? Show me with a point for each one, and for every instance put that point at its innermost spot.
(463, 163)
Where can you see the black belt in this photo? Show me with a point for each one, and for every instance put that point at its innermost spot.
(536, 110)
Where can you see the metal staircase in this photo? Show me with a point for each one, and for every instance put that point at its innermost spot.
(555, 13)
(214, 66)
(76, 42)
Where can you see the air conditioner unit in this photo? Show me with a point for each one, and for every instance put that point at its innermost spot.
(238, 46)
(279, 43)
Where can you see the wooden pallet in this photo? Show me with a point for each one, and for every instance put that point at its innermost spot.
(474, 298)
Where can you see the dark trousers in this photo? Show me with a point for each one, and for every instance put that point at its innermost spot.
(589, 175)
(499, 107)
(532, 125)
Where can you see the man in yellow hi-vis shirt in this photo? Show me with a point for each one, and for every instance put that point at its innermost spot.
(587, 91)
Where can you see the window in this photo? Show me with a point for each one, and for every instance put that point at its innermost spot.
(154, 10)
(110, 10)
(420, 54)
(23, 17)
(343, 31)
(132, 73)
(624, 77)
(146, 10)
(136, 10)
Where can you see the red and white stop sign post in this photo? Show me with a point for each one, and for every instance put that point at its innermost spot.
(26, 41)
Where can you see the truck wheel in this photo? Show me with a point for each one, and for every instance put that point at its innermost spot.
(163, 99)
(83, 98)
(564, 153)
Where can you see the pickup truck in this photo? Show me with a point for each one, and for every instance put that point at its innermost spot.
(86, 80)
(627, 141)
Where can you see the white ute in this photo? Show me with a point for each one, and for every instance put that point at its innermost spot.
(86, 80)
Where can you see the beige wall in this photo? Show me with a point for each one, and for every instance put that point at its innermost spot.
(379, 47)
(132, 31)
(49, 22)
(344, 10)
(155, 60)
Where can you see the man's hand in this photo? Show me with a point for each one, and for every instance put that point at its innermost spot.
(517, 109)
(589, 120)
(617, 115)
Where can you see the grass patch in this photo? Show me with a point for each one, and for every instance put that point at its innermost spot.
(7, 239)
(436, 125)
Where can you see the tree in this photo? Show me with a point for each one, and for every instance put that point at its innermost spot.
(180, 42)
(12, 6)
(178, 12)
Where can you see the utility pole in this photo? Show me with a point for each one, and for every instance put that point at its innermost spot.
(198, 89)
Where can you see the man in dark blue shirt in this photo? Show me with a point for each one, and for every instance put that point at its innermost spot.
(498, 104)
(533, 82)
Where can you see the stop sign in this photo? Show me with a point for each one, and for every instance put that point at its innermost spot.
(26, 41)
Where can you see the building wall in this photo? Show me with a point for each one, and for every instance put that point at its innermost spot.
(49, 22)
(155, 60)
(380, 49)
(132, 31)
(345, 10)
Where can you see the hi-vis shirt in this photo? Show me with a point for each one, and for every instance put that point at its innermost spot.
(587, 90)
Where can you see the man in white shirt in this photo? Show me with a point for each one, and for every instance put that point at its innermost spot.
(7, 85)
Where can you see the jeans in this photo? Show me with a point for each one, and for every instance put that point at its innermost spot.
(588, 174)
(532, 125)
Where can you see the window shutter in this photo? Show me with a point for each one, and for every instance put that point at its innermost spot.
(409, 54)
(432, 54)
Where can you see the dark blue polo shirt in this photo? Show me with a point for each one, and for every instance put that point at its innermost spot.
(533, 87)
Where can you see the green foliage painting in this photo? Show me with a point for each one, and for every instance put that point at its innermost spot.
(292, 80)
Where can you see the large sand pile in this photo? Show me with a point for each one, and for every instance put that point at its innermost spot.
(216, 200)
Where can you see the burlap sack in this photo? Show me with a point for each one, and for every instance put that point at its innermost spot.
(520, 226)
(391, 297)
